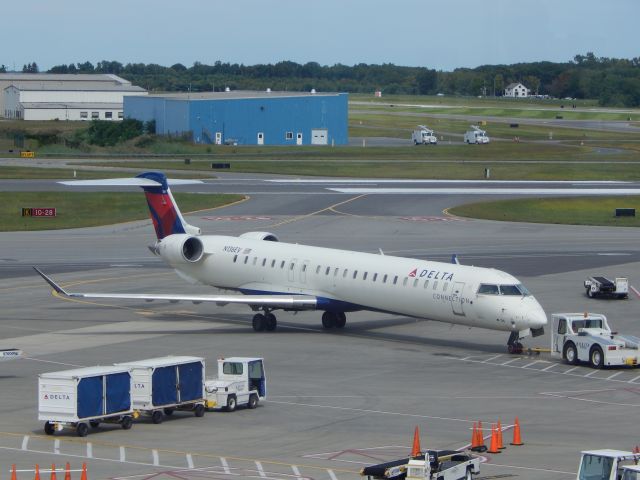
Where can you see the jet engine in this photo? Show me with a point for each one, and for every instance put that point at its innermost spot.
(181, 248)
(267, 236)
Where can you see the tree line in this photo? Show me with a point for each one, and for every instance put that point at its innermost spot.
(611, 81)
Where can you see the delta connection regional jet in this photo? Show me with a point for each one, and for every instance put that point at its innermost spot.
(269, 275)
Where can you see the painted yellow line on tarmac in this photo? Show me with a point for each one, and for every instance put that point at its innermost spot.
(302, 217)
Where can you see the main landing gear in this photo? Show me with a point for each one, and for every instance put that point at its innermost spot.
(333, 319)
(265, 321)
(513, 345)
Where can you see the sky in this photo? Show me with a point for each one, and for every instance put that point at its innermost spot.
(439, 34)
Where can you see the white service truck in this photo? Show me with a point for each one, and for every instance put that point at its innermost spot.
(433, 465)
(240, 381)
(424, 136)
(476, 136)
(587, 337)
(608, 465)
(596, 286)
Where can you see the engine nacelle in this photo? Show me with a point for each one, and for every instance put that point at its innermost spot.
(181, 248)
(267, 236)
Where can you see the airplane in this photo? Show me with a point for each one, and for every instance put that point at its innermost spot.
(269, 275)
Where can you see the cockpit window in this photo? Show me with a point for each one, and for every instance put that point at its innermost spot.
(487, 289)
(513, 290)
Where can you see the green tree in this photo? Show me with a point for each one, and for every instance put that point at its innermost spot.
(427, 81)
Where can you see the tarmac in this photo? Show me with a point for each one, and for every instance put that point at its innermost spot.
(337, 400)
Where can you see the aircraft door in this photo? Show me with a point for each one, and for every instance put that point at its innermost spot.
(456, 299)
(292, 269)
(303, 271)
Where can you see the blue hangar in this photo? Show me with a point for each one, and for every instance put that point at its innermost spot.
(247, 118)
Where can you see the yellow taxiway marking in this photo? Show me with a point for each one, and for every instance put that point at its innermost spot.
(164, 450)
(327, 209)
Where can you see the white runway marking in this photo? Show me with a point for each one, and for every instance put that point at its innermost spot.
(261, 471)
(614, 375)
(25, 442)
(89, 450)
(123, 455)
(189, 461)
(296, 472)
(483, 182)
(156, 457)
(332, 475)
(225, 465)
(510, 361)
(634, 379)
(56, 446)
(488, 191)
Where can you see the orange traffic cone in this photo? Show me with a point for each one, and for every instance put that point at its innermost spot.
(53, 471)
(67, 472)
(37, 475)
(493, 447)
(517, 440)
(415, 450)
(14, 475)
(480, 435)
(83, 475)
(500, 444)
(474, 437)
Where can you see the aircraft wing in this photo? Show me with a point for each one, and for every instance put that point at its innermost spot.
(295, 302)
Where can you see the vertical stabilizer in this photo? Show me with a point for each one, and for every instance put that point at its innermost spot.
(164, 212)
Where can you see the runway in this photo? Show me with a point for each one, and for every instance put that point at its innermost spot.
(336, 401)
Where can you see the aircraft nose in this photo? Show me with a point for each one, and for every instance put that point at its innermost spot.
(536, 316)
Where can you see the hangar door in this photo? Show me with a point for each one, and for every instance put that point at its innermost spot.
(319, 137)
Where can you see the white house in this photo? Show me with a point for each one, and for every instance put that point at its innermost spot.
(516, 90)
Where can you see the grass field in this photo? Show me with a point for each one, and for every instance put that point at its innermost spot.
(571, 211)
(80, 209)
(32, 173)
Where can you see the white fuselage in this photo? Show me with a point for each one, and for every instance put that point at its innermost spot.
(349, 281)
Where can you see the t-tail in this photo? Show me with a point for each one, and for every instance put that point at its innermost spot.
(163, 209)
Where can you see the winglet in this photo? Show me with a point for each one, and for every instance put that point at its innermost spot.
(454, 259)
(53, 284)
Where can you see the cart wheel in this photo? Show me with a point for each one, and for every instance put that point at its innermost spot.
(82, 429)
(253, 401)
(591, 294)
(169, 411)
(49, 429)
(126, 422)
(94, 423)
(199, 410)
(232, 403)
(156, 417)
(570, 353)
(596, 357)
(469, 475)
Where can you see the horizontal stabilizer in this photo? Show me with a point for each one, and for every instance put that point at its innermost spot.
(128, 182)
(294, 302)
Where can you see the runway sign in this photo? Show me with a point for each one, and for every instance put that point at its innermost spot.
(39, 212)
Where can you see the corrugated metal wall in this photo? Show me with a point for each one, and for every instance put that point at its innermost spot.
(280, 120)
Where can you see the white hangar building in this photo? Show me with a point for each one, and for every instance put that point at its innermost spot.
(64, 96)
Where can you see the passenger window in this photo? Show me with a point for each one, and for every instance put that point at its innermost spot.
(264, 262)
(282, 264)
(344, 274)
(404, 282)
(273, 263)
(355, 274)
(318, 269)
(246, 259)
(487, 289)
(384, 279)
(562, 326)
(444, 287)
(364, 276)
(435, 285)
(255, 260)
(375, 277)
(395, 280)
(415, 282)
(235, 258)
(335, 272)
(292, 266)
(304, 267)
(327, 271)
(426, 284)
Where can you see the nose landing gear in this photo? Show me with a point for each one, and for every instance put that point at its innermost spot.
(514, 347)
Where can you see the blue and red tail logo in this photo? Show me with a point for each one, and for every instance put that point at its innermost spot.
(164, 214)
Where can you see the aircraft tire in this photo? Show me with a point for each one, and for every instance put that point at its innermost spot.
(271, 323)
(328, 320)
(341, 320)
(259, 322)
